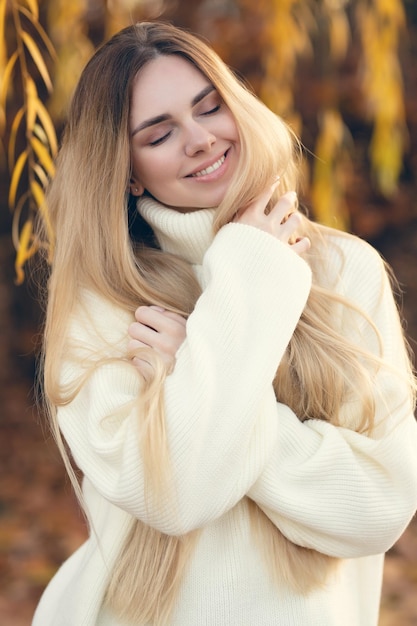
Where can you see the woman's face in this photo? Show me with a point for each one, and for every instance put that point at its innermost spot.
(184, 139)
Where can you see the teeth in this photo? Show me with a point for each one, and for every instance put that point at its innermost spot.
(210, 168)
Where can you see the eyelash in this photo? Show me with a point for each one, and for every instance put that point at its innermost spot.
(213, 110)
(162, 139)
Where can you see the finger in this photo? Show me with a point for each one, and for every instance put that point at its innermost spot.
(301, 245)
(144, 368)
(140, 358)
(291, 228)
(176, 317)
(133, 345)
(150, 316)
(158, 318)
(142, 333)
(260, 203)
(136, 330)
(285, 207)
(166, 342)
(291, 222)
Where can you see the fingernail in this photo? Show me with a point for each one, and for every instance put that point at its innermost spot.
(157, 308)
(293, 198)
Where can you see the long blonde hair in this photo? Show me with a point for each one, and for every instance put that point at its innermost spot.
(99, 247)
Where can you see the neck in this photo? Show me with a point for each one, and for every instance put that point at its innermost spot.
(185, 234)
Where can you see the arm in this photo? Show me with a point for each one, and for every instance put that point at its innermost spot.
(220, 406)
(335, 490)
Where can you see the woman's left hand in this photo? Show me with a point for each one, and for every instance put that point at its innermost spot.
(281, 221)
(156, 328)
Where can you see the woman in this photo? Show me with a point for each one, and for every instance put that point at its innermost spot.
(231, 379)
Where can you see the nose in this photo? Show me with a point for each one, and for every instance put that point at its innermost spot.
(198, 139)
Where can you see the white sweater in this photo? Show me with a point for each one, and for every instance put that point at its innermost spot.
(325, 487)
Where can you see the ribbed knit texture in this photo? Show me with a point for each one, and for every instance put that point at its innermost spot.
(325, 487)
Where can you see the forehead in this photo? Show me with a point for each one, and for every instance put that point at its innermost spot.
(163, 84)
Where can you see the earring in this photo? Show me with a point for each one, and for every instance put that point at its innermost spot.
(136, 189)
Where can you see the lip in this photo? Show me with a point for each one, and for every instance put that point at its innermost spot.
(212, 175)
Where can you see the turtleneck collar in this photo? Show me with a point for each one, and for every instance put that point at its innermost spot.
(187, 235)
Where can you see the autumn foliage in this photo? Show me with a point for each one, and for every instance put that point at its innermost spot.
(41, 56)
(334, 69)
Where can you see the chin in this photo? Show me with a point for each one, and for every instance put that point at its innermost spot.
(213, 201)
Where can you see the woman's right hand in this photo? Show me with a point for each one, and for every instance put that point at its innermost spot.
(282, 221)
(159, 329)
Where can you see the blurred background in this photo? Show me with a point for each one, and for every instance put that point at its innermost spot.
(343, 73)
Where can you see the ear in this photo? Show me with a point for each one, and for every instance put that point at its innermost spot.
(136, 189)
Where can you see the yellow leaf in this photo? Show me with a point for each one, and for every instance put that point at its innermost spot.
(339, 34)
(392, 10)
(38, 59)
(43, 155)
(6, 78)
(17, 212)
(32, 100)
(17, 172)
(37, 193)
(323, 201)
(13, 133)
(25, 250)
(48, 126)
(3, 51)
(331, 135)
(386, 152)
(3, 4)
(40, 134)
(39, 197)
(41, 32)
(33, 6)
(328, 187)
(41, 174)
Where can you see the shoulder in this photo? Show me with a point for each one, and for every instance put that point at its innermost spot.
(355, 268)
(98, 323)
(349, 252)
(351, 256)
(96, 334)
(356, 251)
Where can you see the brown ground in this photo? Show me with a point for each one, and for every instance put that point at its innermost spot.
(39, 520)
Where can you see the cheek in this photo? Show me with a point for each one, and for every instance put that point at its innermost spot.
(144, 167)
(154, 171)
(136, 163)
(235, 132)
(230, 127)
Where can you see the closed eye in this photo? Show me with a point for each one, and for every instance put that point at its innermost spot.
(213, 110)
(160, 140)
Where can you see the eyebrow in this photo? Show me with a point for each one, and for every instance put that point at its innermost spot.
(152, 121)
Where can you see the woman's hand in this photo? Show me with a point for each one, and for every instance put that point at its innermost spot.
(156, 328)
(282, 221)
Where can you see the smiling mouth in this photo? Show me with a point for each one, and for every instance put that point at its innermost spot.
(210, 168)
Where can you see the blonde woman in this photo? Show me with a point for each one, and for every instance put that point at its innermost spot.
(230, 378)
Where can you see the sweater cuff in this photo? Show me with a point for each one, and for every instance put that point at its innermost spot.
(263, 247)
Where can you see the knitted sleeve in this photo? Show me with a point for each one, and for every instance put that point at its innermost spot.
(220, 407)
(329, 488)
